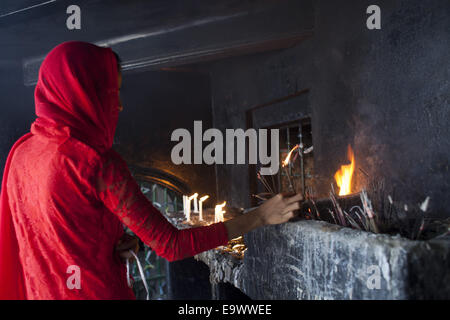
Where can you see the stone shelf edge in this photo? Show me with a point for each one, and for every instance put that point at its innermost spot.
(318, 260)
(223, 267)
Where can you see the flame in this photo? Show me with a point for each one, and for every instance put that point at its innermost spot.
(221, 205)
(288, 157)
(218, 212)
(195, 195)
(344, 175)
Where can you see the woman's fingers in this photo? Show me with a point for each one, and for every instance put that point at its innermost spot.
(298, 197)
(280, 208)
(289, 215)
(291, 208)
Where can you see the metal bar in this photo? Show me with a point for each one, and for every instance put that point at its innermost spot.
(300, 153)
(158, 268)
(154, 193)
(175, 204)
(288, 142)
(165, 199)
(279, 177)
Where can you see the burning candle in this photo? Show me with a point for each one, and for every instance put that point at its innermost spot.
(188, 206)
(185, 205)
(188, 209)
(200, 204)
(195, 198)
(218, 213)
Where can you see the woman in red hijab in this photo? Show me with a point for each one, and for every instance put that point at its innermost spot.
(66, 194)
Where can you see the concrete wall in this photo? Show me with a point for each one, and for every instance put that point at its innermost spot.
(16, 107)
(155, 104)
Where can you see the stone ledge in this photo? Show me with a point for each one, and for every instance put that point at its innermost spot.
(223, 267)
(318, 260)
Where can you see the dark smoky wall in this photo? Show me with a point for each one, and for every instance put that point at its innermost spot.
(155, 104)
(241, 84)
(17, 107)
(385, 92)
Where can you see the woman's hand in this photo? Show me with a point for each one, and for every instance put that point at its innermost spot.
(126, 243)
(276, 210)
(279, 209)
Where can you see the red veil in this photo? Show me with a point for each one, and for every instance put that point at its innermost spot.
(68, 97)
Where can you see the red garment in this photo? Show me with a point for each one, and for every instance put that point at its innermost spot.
(66, 193)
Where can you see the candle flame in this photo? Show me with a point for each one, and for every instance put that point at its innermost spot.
(195, 195)
(218, 212)
(203, 198)
(344, 175)
(288, 157)
(221, 205)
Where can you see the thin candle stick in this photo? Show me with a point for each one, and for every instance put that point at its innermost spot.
(200, 204)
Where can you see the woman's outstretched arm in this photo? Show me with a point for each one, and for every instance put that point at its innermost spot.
(120, 193)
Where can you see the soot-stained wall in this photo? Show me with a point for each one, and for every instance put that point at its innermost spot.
(240, 84)
(17, 107)
(385, 92)
(155, 104)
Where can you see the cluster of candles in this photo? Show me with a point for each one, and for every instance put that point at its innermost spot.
(198, 208)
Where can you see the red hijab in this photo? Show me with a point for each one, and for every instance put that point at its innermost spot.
(76, 96)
